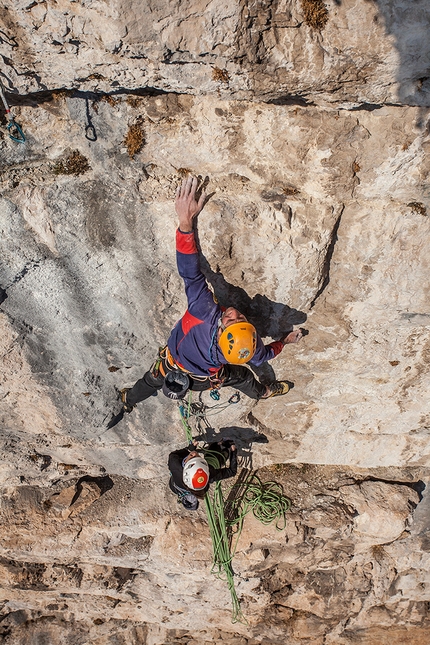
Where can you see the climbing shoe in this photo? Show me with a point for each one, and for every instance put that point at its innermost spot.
(123, 394)
(278, 388)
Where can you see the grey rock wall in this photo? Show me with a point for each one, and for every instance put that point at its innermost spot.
(314, 144)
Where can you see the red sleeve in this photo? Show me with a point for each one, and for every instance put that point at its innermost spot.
(185, 242)
(277, 346)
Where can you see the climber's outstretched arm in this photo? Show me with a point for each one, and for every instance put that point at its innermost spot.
(201, 303)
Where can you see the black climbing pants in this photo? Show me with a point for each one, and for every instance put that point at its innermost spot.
(237, 376)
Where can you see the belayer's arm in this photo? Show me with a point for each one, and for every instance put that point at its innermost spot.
(175, 464)
(224, 473)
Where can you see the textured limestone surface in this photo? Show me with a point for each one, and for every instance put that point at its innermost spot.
(369, 51)
(314, 147)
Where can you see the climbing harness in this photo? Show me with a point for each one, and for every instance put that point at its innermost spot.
(266, 500)
(165, 364)
(216, 380)
(14, 130)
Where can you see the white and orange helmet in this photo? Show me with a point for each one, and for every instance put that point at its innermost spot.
(196, 473)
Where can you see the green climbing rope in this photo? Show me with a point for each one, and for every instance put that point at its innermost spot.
(222, 556)
(185, 413)
(266, 500)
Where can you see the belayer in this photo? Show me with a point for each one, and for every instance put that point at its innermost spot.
(209, 344)
(190, 473)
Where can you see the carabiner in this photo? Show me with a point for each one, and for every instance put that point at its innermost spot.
(20, 138)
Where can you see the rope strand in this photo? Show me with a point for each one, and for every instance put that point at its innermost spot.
(266, 500)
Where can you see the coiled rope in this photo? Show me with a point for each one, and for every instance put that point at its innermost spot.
(266, 500)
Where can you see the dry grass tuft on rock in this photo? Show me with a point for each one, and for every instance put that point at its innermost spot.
(290, 190)
(316, 13)
(74, 164)
(183, 172)
(134, 101)
(134, 139)
(418, 207)
(59, 95)
(220, 75)
(110, 100)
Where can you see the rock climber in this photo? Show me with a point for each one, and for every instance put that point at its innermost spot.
(210, 344)
(191, 474)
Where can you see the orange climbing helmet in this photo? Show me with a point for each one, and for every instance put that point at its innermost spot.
(196, 473)
(238, 342)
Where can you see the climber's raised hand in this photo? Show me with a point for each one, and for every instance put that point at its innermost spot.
(186, 203)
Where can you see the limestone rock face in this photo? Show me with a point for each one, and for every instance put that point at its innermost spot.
(372, 52)
(313, 144)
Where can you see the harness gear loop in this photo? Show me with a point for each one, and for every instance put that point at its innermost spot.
(158, 366)
(14, 129)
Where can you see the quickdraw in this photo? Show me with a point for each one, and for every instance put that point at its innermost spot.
(14, 129)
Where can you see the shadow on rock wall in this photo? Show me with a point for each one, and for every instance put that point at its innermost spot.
(270, 318)
(407, 21)
(273, 319)
(243, 437)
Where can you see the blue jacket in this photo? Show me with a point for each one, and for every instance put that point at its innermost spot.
(193, 341)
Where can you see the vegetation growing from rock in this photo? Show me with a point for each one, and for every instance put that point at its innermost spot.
(134, 139)
(73, 164)
(316, 13)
